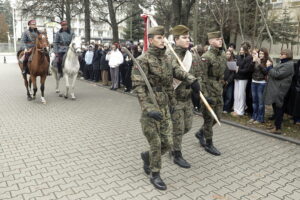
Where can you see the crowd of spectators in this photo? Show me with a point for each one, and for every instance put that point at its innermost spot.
(109, 64)
(253, 82)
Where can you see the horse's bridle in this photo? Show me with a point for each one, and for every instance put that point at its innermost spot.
(73, 49)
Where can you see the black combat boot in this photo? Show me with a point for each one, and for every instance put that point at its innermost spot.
(200, 136)
(146, 159)
(178, 159)
(157, 182)
(209, 147)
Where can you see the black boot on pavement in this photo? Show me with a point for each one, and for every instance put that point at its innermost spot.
(157, 181)
(200, 136)
(211, 149)
(179, 160)
(146, 159)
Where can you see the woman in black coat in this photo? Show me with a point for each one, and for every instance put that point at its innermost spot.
(242, 76)
(104, 67)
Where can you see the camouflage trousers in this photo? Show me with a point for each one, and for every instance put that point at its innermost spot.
(182, 122)
(209, 121)
(159, 136)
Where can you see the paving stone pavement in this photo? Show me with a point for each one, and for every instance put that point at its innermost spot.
(90, 149)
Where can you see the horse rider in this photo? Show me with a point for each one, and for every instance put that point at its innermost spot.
(61, 43)
(28, 42)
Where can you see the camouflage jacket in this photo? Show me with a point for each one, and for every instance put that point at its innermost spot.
(213, 65)
(62, 41)
(28, 39)
(160, 73)
(183, 91)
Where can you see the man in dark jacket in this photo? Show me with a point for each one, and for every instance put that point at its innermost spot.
(96, 63)
(293, 96)
(280, 78)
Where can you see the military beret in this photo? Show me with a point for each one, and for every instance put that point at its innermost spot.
(33, 22)
(156, 30)
(63, 23)
(179, 30)
(212, 35)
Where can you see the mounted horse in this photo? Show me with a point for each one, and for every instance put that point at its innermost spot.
(70, 67)
(38, 65)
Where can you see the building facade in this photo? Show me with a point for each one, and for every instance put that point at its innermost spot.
(100, 31)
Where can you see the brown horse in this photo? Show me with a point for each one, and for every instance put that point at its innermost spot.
(38, 65)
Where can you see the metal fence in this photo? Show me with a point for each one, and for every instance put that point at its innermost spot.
(8, 47)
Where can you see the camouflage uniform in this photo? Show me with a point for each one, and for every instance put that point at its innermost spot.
(213, 65)
(182, 116)
(160, 74)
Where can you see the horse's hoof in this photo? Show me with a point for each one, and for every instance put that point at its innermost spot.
(33, 98)
(57, 91)
(29, 98)
(66, 97)
(60, 95)
(73, 98)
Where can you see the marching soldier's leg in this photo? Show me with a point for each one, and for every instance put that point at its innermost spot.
(200, 133)
(208, 132)
(181, 125)
(152, 158)
(166, 128)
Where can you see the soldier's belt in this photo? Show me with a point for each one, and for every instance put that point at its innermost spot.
(29, 42)
(213, 78)
(158, 89)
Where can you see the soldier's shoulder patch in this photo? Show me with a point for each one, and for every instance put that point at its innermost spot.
(204, 59)
(135, 67)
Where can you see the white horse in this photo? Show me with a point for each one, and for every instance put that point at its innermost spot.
(71, 67)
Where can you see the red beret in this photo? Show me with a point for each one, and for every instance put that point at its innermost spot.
(63, 23)
(31, 22)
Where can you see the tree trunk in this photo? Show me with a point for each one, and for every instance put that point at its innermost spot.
(63, 3)
(68, 12)
(266, 25)
(177, 6)
(254, 28)
(240, 24)
(195, 23)
(113, 20)
(87, 21)
(298, 40)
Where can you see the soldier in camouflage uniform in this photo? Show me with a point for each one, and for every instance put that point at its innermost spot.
(213, 65)
(182, 116)
(61, 44)
(156, 121)
(28, 42)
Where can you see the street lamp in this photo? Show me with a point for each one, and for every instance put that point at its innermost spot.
(14, 27)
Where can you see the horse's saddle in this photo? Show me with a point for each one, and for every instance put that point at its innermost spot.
(56, 60)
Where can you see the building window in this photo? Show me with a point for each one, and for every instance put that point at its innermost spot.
(276, 1)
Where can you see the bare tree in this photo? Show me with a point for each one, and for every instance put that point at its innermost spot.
(114, 13)
(220, 11)
(181, 11)
(239, 22)
(265, 24)
(64, 9)
(87, 19)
